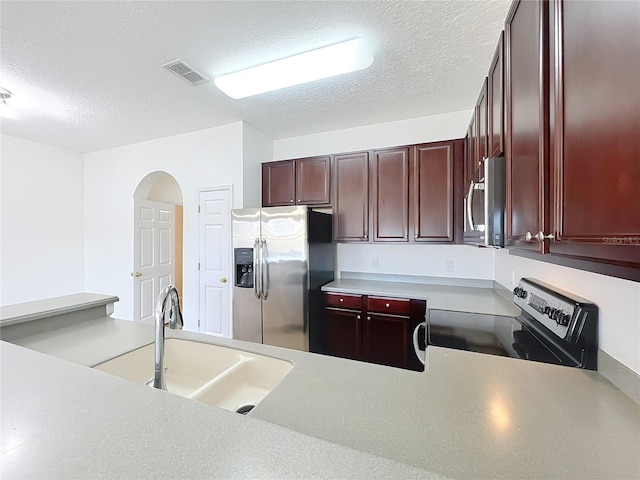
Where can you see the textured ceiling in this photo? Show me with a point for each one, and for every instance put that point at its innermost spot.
(87, 75)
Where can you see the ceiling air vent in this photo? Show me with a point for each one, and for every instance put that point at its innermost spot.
(185, 72)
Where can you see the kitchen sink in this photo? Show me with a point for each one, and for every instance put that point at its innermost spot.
(219, 376)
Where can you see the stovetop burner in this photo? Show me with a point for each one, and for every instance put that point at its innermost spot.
(553, 327)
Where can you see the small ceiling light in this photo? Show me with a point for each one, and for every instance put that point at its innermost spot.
(5, 109)
(324, 62)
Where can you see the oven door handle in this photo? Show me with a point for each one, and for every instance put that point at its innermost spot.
(421, 354)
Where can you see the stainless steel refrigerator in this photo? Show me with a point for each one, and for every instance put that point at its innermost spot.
(282, 256)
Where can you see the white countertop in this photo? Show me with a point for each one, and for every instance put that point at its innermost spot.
(468, 416)
(62, 420)
(48, 307)
(438, 297)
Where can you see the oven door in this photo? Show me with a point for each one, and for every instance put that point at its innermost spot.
(474, 332)
(474, 214)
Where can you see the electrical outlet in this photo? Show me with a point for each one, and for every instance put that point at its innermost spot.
(375, 262)
(448, 265)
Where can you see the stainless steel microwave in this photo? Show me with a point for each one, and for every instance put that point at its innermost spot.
(484, 206)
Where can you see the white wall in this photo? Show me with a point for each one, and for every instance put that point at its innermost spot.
(256, 148)
(42, 215)
(403, 132)
(423, 260)
(201, 159)
(618, 301)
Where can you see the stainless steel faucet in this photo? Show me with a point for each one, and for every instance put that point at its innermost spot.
(168, 297)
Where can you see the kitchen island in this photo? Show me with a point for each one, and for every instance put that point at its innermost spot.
(467, 416)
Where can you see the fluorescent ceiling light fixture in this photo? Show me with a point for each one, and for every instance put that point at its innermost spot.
(324, 62)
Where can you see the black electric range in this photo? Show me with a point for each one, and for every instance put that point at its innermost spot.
(554, 327)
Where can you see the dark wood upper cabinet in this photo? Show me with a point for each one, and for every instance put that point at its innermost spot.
(313, 181)
(468, 149)
(434, 191)
(482, 121)
(351, 197)
(471, 161)
(304, 181)
(595, 130)
(496, 102)
(390, 195)
(526, 123)
(278, 183)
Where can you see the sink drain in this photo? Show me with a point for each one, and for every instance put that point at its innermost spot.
(245, 408)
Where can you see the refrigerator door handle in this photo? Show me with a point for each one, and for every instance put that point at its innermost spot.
(256, 277)
(264, 272)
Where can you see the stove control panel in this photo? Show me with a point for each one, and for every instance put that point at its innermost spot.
(554, 310)
(569, 323)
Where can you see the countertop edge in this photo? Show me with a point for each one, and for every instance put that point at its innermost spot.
(99, 300)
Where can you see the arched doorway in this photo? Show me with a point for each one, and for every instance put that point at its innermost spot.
(157, 241)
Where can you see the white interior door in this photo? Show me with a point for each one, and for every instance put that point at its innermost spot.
(215, 261)
(153, 256)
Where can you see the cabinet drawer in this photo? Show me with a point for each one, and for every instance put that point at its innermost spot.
(396, 306)
(341, 300)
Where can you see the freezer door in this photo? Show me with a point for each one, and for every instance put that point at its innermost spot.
(247, 308)
(285, 277)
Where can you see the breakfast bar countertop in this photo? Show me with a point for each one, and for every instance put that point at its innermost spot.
(467, 416)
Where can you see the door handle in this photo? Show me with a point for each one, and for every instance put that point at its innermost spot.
(540, 236)
(264, 273)
(470, 207)
(256, 268)
(223, 280)
(136, 274)
(416, 348)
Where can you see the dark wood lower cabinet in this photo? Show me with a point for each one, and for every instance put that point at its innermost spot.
(372, 329)
(343, 333)
(387, 340)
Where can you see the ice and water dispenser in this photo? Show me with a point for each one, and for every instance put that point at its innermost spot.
(243, 258)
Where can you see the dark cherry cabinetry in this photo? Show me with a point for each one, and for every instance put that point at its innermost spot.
(391, 195)
(372, 329)
(313, 181)
(595, 131)
(278, 183)
(495, 136)
(436, 176)
(351, 197)
(482, 121)
(304, 181)
(415, 193)
(526, 123)
(477, 140)
(344, 333)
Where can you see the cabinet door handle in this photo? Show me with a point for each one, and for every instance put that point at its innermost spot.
(358, 317)
(341, 300)
(291, 201)
(540, 236)
(386, 305)
(368, 319)
(298, 200)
